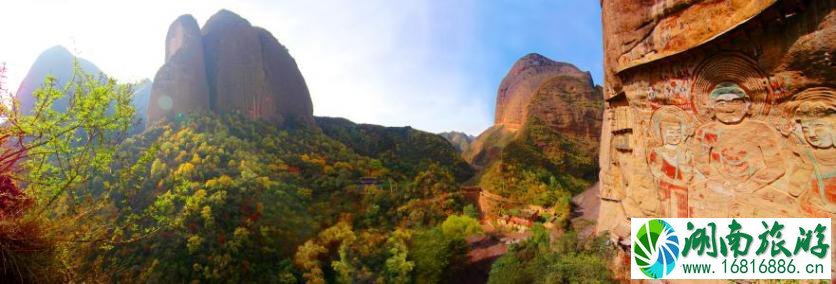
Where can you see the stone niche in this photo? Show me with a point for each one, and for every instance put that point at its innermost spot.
(717, 109)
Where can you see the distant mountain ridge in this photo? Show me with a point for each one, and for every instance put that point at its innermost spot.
(56, 61)
(460, 140)
(410, 147)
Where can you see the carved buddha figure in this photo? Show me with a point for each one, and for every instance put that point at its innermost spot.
(815, 115)
(671, 163)
(738, 156)
(742, 154)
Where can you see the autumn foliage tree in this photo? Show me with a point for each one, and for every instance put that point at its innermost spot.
(47, 155)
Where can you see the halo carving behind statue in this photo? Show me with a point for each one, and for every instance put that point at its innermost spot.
(731, 67)
(810, 94)
(824, 96)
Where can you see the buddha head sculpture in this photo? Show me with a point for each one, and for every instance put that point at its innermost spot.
(816, 115)
(671, 125)
(729, 103)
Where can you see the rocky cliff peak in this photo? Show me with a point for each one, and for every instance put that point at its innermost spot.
(180, 85)
(541, 96)
(244, 70)
(183, 31)
(521, 82)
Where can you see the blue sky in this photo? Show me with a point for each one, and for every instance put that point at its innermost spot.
(433, 65)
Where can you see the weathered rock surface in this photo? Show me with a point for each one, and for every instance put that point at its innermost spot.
(711, 107)
(521, 82)
(556, 95)
(285, 81)
(230, 66)
(569, 104)
(235, 68)
(56, 61)
(180, 85)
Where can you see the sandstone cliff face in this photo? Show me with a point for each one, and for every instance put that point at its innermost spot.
(230, 66)
(668, 63)
(569, 104)
(538, 90)
(520, 84)
(180, 85)
(235, 68)
(285, 80)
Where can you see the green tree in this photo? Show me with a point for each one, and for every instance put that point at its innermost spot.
(440, 252)
(53, 154)
(563, 260)
(460, 227)
(397, 268)
(470, 211)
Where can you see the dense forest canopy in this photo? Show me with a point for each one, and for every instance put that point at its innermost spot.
(221, 197)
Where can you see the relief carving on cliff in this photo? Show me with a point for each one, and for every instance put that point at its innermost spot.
(740, 158)
(718, 156)
(715, 154)
(812, 115)
(732, 108)
(736, 68)
(670, 160)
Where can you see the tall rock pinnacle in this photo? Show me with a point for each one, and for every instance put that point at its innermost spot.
(240, 69)
(521, 83)
(180, 85)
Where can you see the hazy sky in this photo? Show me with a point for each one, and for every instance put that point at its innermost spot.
(434, 65)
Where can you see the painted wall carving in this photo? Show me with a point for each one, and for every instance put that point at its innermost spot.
(812, 116)
(740, 125)
(670, 160)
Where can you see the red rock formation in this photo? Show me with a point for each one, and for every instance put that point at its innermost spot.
(569, 104)
(521, 82)
(556, 94)
(285, 81)
(235, 68)
(180, 85)
(229, 66)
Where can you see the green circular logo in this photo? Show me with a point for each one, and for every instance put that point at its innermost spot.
(656, 248)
